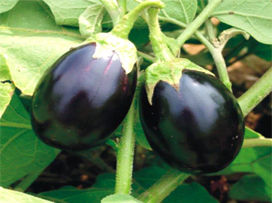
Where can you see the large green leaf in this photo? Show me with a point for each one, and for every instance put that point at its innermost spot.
(10, 196)
(90, 20)
(6, 5)
(32, 42)
(255, 17)
(182, 10)
(250, 187)
(6, 88)
(21, 152)
(67, 12)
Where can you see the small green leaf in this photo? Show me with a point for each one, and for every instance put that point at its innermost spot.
(6, 92)
(4, 69)
(20, 146)
(10, 196)
(146, 177)
(6, 5)
(250, 187)
(263, 51)
(120, 198)
(104, 185)
(90, 20)
(255, 17)
(182, 10)
(6, 88)
(249, 133)
(140, 136)
(71, 194)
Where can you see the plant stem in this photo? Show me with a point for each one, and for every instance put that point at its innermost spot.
(163, 187)
(215, 52)
(199, 20)
(113, 9)
(257, 142)
(123, 5)
(27, 181)
(210, 30)
(146, 56)
(160, 48)
(256, 93)
(221, 67)
(123, 28)
(218, 60)
(125, 155)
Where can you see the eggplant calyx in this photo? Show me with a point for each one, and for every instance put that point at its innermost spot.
(107, 43)
(170, 72)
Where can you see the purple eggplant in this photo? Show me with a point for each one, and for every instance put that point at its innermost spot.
(82, 99)
(197, 128)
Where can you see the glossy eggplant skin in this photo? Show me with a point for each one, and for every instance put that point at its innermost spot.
(81, 100)
(197, 129)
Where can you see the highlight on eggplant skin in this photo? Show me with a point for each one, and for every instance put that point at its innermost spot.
(81, 100)
(198, 128)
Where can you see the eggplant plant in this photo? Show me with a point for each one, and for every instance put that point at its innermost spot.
(88, 79)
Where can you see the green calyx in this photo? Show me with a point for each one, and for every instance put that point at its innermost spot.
(117, 39)
(170, 72)
(106, 43)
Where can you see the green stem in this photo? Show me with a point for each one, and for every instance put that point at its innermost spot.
(123, 28)
(160, 48)
(125, 155)
(221, 67)
(199, 20)
(113, 9)
(218, 60)
(257, 142)
(163, 187)
(172, 20)
(123, 6)
(256, 93)
(210, 30)
(215, 52)
(27, 181)
(146, 56)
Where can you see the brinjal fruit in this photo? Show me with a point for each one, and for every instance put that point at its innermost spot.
(82, 98)
(196, 126)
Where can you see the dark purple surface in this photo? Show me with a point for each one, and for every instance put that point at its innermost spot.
(81, 100)
(197, 129)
